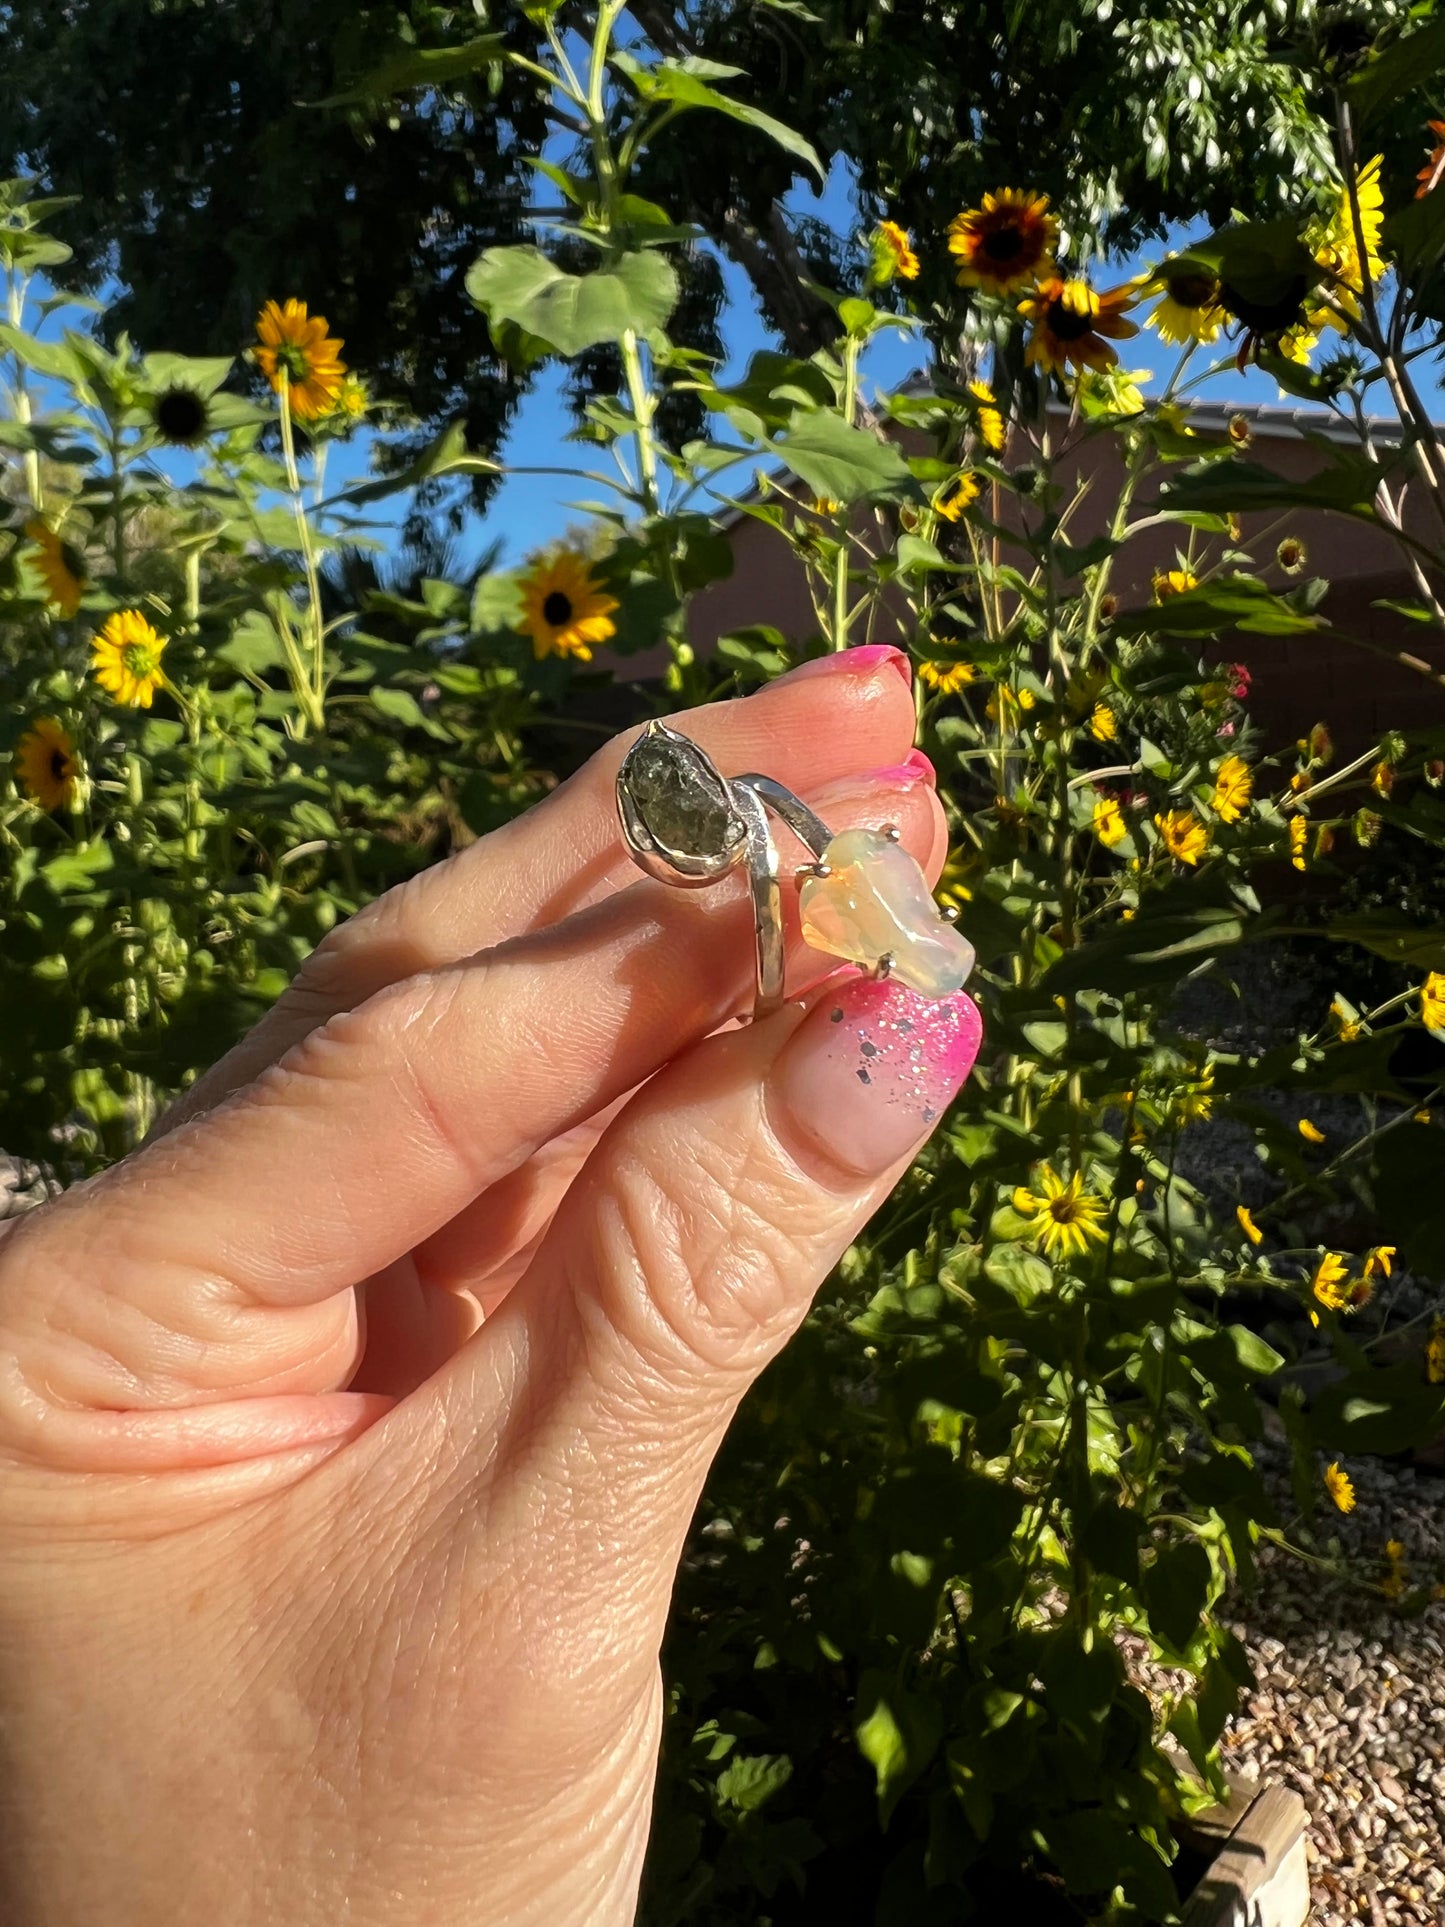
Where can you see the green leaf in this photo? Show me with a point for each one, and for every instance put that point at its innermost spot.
(1175, 1591)
(253, 646)
(447, 455)
(898, 1734)
(1109, 1540)
(844, 463)
(682, 83)
(422, 67)
(573, 312)
(1415, 235)
(398, 705)
(1387, 1410)
(1411, 62)
(1236, 486)
(1410, 1197)
(1257, 1358)
(772, 390)
(78, 868)
(748, 1781)
(1389, 933)
(1022, 1274)
(1152, 949)
(1225, 603)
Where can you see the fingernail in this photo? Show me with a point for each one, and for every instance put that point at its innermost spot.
(855, 662)
(872, 1068)
(915, 768)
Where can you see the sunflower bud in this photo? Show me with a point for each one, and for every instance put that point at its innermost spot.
(1240, 432)
(1291, 555)
(1367, 827)
(1321, 744)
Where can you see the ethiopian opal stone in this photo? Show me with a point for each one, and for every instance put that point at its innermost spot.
(875, 903)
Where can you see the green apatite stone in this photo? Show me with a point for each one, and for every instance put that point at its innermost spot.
(681, 800)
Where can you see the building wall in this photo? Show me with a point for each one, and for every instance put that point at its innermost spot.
(1298, 680)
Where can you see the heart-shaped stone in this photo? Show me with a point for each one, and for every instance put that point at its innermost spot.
(875, 902)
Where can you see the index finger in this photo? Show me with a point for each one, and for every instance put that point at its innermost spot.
(834, 717)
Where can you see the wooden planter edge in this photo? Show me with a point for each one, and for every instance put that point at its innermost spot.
(1260, 1875)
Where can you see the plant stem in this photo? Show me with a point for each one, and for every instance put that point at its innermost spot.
(310, 693)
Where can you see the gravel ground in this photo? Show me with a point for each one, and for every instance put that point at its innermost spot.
(1349, 1708)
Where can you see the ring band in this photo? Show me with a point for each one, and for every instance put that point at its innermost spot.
(862, 897)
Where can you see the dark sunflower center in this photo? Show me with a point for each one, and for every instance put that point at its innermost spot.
(1268, 317)
(1063, 1210)
(557, 609)
(180, 415)
(1193, 290)
(59, 765)
(1066, 323)
(1004, 243)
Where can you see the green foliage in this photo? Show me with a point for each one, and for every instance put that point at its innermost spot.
(1013, 1450)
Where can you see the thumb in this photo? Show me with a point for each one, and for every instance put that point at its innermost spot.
(683, 1259)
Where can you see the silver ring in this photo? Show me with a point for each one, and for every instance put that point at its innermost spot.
(862, 897)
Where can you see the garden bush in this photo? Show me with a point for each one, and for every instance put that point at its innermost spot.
(1017, 1439)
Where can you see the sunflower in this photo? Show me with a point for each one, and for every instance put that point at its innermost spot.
(1189, 308)
(1340, 1486)
(1103, 724)
(1432, 1001)
(1170, 582)
(892, 254)
(1070, 320)
(1183, 835)
(955, 496)
(1006, 243)
(1007, 707)
(947, 677)
(1337, 248)
(126, 658)
(563, 610)
(1380, 1261)
(988, 418)
(60, 566)
(1068, 1216)
(353, 398)
(1435, 1353)
(296, 354)
(1108, 822)
(1233, 788)
(1299, 836)
(1331, 1281)
(1247, 1225)
(45, 764)
(181, 416)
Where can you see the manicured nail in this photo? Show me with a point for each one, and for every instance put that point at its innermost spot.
(915, 768)
(872, 1068)
(855, 662)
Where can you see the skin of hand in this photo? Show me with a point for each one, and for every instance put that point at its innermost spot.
(322, 1599)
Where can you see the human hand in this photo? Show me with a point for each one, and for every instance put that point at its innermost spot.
(318, 1601)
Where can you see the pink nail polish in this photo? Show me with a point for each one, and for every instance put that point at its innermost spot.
(915, 768)
(872, 1068)
(855, 662)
